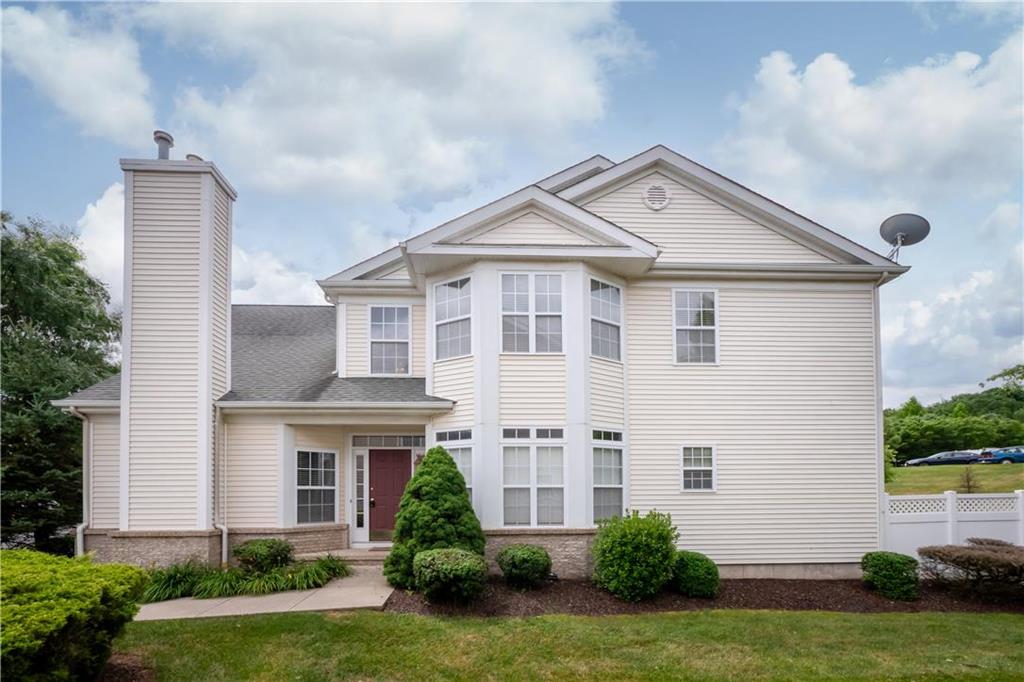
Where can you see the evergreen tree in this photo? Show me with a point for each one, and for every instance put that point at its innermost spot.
(435, 513)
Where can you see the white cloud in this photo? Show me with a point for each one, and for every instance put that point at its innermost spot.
(951, 122)
(257, 276)
(92, 74)
(101, 231)
(933, 348)
(1004, 220)
(411, 102)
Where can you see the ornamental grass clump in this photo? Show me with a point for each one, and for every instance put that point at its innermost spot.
(434, 513)
(524, 566)
(60, 615)
(450, 574)
(634, 555)
(893, 575)
(695, 575)
(177, 581)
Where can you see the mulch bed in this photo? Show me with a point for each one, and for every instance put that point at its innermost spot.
(577, 597)
(126, 668)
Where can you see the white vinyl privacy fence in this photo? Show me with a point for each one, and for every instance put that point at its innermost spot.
(912, 521)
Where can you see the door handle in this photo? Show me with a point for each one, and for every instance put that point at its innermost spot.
(373, 502)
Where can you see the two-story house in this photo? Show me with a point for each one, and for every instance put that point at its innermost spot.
(618, 336)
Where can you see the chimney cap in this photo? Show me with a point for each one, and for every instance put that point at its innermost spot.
(163, 136)
(193, 157)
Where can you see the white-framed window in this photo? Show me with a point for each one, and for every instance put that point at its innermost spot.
(389, 339)
(531, 313)
(458, 445)
(316, 486)
(533, 478)
(697, 468)
(605, 320)
(608, 475)
(452, 325)
(695, 324)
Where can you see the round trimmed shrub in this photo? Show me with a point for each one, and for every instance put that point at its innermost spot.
(264, 555)
(695, 575)
(435, 513)
(524, 565)
(450, 575)
(893, 575)
(634, 555)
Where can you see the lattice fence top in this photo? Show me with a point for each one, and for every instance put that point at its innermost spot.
(996, 503)
(916, 505)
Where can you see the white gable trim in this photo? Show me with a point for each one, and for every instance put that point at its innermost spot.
(575, 174)
(530, 197)
(726, 191)
(593, 238)
(385, 261)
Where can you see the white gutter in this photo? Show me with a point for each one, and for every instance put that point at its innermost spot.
(219, 489)
(432, 405)
(86, 455)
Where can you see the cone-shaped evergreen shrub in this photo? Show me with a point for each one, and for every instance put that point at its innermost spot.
(435, 513)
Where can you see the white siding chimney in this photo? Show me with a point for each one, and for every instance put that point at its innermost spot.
(176, 354)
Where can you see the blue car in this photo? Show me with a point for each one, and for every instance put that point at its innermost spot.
(1011, 455)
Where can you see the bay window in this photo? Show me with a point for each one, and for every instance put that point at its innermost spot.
(605, 320)
(607, 454)
(531, 313)
(533, 479)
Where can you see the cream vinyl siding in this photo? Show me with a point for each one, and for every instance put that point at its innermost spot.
(357, 353)
(324, 438)
(453, 379)
(103, 467)
(357, 329)
(253, 471)
(693, 228)
(164, 357)
(607, 397)
(419, 340)
(532, 390)
(530, 228)
(790, 410)
(400, 273)
(220, 293)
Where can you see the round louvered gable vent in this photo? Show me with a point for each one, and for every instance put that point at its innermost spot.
(656, 197)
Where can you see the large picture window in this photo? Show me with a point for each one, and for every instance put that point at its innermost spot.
(316, 485)
(452, 309)
(531, 313)
(696, 326)
(389, 340)
(607, 452)
(605, 320)
(533, 480)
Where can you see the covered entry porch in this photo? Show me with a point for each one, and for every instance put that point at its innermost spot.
(324, 482)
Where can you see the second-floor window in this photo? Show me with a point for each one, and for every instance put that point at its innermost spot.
(452, 308)
(696, 327)
(531, 313)
(389, 340)
(605, 320)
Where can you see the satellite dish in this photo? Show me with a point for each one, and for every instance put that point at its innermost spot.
(903, 229)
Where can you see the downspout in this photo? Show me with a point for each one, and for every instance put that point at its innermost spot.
(86, 455)
(219, 492)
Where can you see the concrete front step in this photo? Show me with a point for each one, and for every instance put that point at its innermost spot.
(355, 557)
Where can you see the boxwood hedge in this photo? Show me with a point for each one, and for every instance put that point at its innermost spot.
(60, 615)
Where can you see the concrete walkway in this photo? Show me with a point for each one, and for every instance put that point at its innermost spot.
(366, 588)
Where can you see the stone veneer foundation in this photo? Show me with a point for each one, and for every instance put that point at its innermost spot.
(569, 548)
(166, 547)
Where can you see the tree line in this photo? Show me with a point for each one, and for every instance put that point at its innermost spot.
(990, 418)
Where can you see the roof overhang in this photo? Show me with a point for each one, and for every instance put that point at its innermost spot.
(176, 166)
(879, 274)
(440, 258)
(729, 192)
(386, 287)
(425, 408)
(86, 404)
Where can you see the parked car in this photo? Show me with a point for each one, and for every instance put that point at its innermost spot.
(952, 457)
(1011, 455)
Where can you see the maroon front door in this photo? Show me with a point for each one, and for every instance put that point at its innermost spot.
(389, 472)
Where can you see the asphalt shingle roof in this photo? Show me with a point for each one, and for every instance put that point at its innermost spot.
(285, 353)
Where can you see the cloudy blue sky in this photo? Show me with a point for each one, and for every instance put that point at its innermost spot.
(347, 128)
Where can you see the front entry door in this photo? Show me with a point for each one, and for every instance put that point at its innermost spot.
(389, 472)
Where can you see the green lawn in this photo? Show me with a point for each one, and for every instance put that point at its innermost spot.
(994, 478)
(694, 645)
